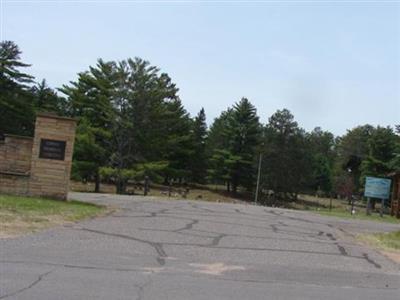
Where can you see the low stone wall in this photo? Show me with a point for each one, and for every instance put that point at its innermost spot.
(39, 166)
(16, 153)
(14, 183)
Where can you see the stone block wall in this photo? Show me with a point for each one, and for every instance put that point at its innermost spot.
(15, 154)
(14, 183)
(50, 177)
(15, 164)
(39, 166)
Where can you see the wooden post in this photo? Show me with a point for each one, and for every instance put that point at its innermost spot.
(170, 188)
(146, 185)
(382, 207)
(368, 206)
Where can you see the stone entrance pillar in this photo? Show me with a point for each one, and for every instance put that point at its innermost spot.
(52, 156)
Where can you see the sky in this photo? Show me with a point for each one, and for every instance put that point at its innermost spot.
(333, 64)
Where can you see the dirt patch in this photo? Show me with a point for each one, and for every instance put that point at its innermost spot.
(372, 240)
(395, 256)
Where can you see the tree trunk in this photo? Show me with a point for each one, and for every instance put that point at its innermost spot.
(120, 185)
(97, 182)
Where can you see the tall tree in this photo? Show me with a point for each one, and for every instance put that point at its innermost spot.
(395, 161)
(136, 116)
(286, 168)
(16, 102)
(45, 99)
(198, 161)
(381, 151)
(351, 150)
(218, 151)
(89, 99)
(321, 145)
(244, 136)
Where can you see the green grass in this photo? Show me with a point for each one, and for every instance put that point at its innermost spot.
(24, 214)
(386, 241)
(340, 209)
(359, 215)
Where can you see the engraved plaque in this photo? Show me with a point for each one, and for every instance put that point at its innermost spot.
(52, 149)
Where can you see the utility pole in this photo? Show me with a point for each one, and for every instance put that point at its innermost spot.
(258, 178)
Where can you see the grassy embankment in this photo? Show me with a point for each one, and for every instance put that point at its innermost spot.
(386, 243)
(341, 209)
(20, 215)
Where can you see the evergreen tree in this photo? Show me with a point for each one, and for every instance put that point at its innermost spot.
(89, 99)
(16, 101)
(244, 136)
(233, 141)
(46, 99)
(322, 145)
(198, 161)
(395, 161)
(217, 149)
(351, 150)
(136, 117)
(177, 148)
(286, 168)
(381, 151)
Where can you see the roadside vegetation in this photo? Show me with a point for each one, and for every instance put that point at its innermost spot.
(20, 215)
(341, 208)
(386, 243)
(133, 127)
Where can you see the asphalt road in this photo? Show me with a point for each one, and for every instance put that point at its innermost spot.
(159, 249)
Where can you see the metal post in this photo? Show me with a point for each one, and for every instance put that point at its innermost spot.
(382, 207)
(258, 178)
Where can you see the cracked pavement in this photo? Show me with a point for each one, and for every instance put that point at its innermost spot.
(152, 248)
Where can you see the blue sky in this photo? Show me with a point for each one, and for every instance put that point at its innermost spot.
(333, 64)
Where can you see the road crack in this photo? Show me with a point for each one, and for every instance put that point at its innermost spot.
(39, 279)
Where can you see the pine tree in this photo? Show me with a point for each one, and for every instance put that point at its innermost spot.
(198, 160)
(45, 99)
(233, 139)
(381, 151)
(244, 136)
(89, 99)
(16, 101)
(322, 145)
(217, 150)
(286, 167)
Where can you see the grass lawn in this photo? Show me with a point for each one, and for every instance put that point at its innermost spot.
(340, 209)
(360, 215)
(24, 214)
(388, 243)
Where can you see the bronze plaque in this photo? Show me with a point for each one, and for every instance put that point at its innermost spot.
(52, 149)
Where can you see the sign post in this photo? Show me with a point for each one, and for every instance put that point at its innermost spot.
(376, 188)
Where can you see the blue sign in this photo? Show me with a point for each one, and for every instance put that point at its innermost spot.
(377, 187)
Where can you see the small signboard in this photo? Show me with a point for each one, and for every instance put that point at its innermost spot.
(377, 187)
(52, 149)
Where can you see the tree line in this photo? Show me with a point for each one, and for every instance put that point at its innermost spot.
(132, 124)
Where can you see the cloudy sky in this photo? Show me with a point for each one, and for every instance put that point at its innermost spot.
(334, 64)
